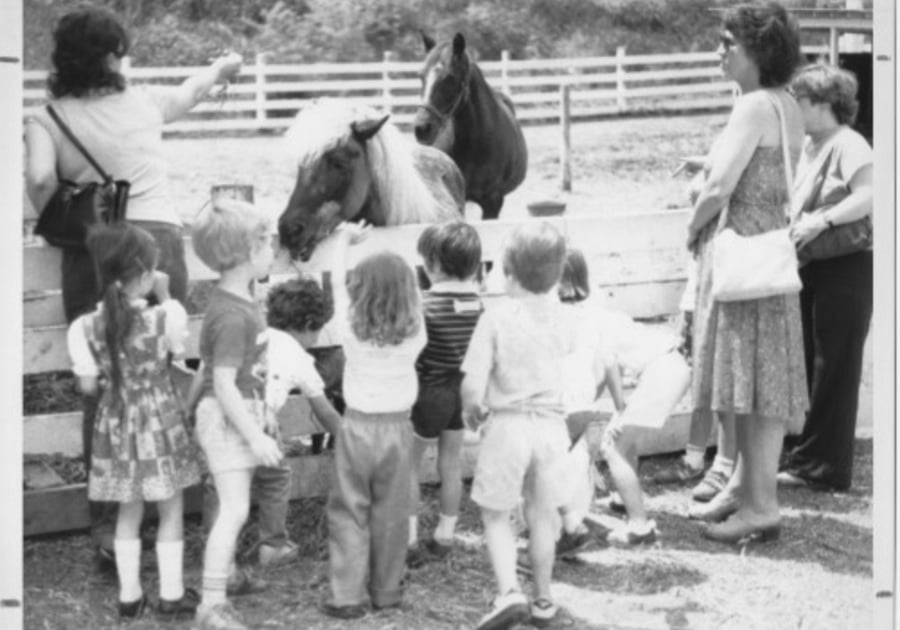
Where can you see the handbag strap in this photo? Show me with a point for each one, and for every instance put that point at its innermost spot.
(818, 179)
(788, 166)
(107, 178)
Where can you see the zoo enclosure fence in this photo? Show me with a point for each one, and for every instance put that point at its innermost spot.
(266, 96)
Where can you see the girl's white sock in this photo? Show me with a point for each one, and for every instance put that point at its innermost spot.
(128, 566)
(446, 525)
(169, 557)
(693, 456)
(413, 531)
(218, 564)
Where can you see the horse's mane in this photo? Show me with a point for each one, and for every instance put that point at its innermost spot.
(403, 194)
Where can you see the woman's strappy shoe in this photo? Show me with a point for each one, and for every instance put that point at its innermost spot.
(736, 531)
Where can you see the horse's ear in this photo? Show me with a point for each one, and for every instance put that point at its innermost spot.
(459, 44)
(427, 42)
(365, 129)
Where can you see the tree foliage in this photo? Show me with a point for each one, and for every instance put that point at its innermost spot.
(188, 32)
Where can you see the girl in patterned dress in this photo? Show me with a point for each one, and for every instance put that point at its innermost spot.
(141, 447)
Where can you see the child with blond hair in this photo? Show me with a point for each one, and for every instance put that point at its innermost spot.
(451, 253)
(382, 332)
(515, 383)
(233, 426)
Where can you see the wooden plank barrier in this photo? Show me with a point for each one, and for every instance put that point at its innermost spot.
(637, 264)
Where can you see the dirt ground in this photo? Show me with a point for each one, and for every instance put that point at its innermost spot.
(818, 576)
(619, 165)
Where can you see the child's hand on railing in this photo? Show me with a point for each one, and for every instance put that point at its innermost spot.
(354, 233)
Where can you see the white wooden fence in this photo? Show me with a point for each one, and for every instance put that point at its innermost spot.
(638, 264)
(266, 95)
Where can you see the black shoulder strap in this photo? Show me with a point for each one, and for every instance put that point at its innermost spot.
(107, 178)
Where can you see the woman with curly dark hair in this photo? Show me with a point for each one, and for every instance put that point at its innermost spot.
(748, 355)
(121, 126)
(836, 299)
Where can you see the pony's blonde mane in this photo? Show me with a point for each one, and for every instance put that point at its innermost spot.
(403, 193)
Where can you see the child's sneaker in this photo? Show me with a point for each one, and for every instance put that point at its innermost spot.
(679, 472)
(570, 544)
(506, 611)
(629, 535)
(545, 613)
(713, 482)
(221, 616)
(242, 582)
(271, 556)
(346, 612)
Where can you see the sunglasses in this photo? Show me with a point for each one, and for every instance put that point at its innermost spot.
(727, 42)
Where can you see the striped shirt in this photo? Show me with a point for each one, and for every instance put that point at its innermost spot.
(451, 311)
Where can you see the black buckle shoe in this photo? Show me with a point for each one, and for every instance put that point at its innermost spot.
(182, 608)
(132, 610)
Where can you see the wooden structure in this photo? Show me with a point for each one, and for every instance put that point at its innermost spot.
(836, 22)
(266, 95)
(638, 264)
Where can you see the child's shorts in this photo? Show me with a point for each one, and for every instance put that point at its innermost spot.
(437, 408)
(224, 446)
(521, 456)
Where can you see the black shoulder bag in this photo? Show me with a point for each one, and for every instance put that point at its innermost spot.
(839, 240)
(73, 208)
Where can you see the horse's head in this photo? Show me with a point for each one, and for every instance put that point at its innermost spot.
(445, 84)
(327, 140)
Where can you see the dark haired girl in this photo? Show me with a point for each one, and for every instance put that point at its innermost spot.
(141, 450)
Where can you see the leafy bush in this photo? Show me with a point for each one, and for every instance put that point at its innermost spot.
(188, 32)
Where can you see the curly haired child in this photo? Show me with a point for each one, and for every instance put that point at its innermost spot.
(140, 449)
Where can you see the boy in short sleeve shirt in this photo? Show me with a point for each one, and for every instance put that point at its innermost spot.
(515, 374)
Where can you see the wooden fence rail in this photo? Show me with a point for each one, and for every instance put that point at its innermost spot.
(637, 262)
(266, 95)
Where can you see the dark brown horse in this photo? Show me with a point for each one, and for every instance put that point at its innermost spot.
(473, 123)
(351, 164)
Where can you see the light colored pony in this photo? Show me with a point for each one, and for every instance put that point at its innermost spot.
(351, 164)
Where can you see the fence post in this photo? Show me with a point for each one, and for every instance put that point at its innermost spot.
(620, 79)
(565, 162)
(125, 68)
(833, 57)
(259, 84)
(387, 59)
(504, 72)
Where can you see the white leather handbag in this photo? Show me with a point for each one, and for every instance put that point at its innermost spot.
(758, 266)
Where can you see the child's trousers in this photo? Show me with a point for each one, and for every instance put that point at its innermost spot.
(368, 508)
(271, 491)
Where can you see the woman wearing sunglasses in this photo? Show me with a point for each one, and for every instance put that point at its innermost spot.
(748, 355)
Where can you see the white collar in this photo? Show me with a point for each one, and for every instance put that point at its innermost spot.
(454, 286)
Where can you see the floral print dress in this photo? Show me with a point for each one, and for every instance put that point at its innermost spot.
(143, 452)
(748, 355)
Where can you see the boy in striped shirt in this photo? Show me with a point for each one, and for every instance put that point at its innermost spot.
(451, 253)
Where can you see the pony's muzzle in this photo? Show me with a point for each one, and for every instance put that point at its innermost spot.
(425, 131)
